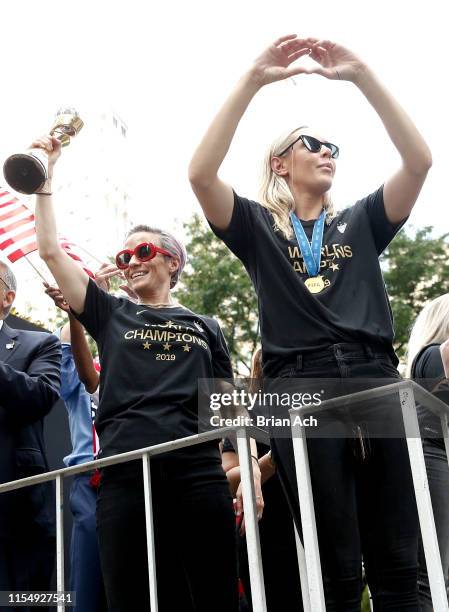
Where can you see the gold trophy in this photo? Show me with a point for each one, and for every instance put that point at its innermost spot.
(27, 172)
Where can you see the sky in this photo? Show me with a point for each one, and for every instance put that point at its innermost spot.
(166, 67)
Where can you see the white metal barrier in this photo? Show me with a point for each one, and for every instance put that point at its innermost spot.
(308, 556)
(249, 502)
(406, 390)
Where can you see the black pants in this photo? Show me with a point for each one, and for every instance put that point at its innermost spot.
(194, 537)
(279, 556)
(363, 497)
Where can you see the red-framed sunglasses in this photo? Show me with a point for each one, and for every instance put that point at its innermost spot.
(143, 252)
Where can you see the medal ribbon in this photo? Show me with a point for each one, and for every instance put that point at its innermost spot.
(311, 252)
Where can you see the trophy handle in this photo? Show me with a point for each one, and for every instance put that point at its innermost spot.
(65, 127)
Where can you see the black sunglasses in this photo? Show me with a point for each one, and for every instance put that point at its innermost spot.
(313, 145)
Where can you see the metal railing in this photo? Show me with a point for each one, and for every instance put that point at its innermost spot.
(145, 454)
(308, 556)
(313, 596)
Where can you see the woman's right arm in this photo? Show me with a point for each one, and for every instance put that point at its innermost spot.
(215, 196)
(69, 276)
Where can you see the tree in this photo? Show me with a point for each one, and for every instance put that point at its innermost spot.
(216, 284)
(416, 270)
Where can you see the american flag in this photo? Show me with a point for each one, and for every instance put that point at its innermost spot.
(70, 249)
(18, 232)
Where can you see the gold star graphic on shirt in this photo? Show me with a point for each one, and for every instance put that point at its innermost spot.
(333, 266)
(166, 346)
(146, 345)
(186, 347)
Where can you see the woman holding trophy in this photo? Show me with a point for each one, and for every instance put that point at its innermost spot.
(323, 309)
(152, 353)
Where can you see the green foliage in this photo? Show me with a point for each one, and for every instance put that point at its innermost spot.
(60, 319)
(416, 271)
(216, 284)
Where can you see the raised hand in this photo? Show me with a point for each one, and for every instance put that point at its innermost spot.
(334, 61)
(56, 295)
(238, 501)
(274, 64)
(52, 148)
(104, 273)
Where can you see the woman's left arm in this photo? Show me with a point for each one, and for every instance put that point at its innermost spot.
(402, 189)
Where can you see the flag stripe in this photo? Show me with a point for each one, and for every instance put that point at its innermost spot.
(20, 244)
(19, 217)
(13, 206)
(8, 203)
(15, 255)
(18, 232)
(12, 213)
(15, 239)
(75, 257)
(9, 228)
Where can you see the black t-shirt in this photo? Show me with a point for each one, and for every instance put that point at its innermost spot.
(428, 371)
(353, 307)
(151, 359)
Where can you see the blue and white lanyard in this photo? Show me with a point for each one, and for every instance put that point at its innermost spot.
(311, 252)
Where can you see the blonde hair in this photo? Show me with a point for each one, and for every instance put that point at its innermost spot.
(274, 192)
(256, 374)
(431, 326)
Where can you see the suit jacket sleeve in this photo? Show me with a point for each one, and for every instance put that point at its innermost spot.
(28, 396)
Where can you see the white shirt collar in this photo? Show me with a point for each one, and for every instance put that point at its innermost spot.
(1, 324)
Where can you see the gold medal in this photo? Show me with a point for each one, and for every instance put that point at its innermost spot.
(315, 284)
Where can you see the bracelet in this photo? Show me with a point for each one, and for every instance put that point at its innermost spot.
(47, 193)
(255, 459)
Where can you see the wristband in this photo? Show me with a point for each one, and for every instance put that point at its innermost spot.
(46, 188)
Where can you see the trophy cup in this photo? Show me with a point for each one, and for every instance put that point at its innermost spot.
(27, 172)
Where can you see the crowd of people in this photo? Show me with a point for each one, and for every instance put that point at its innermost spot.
(324, 314)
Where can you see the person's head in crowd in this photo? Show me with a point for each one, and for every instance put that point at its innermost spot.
(256, 375)
(152, 261)
(431, 326)
(8, 288)
(301, 161)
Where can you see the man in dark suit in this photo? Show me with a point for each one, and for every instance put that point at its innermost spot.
(29, 387)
